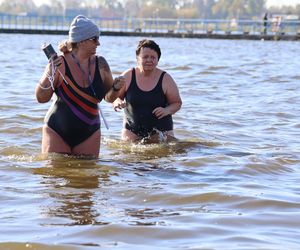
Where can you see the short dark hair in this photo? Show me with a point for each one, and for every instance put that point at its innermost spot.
(146, 43)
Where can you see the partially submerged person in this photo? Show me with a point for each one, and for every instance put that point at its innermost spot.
(80, 80)
(150, 97)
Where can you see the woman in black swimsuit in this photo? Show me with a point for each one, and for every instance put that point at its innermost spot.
(150, 97)
(80, 80)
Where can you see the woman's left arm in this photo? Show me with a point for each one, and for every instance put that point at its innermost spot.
(173, 98)
(112, 86)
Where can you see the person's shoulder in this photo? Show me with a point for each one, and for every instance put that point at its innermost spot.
(160, 71)
(127, 71)
(101, 59)
(167, 76)
(168, 80)
(102, 63)
(128, 74)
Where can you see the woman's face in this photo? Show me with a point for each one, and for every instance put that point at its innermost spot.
(147, 59)
(90, 45)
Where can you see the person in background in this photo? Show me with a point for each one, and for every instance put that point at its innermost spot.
(80, 80)
(265, 23)
(150, 97)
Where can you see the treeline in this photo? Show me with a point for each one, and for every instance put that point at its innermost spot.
(200, 9)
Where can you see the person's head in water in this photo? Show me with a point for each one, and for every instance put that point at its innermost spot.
(146, 43)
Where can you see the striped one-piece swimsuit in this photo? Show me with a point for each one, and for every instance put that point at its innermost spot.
(74, 115)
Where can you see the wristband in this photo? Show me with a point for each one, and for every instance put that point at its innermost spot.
(44, 88)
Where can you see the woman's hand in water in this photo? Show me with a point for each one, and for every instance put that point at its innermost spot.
(119, 104)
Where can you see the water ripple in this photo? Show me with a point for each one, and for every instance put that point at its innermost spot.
(230, 182)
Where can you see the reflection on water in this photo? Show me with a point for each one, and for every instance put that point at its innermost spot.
(71, 185)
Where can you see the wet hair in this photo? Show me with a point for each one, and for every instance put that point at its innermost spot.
(145, 43)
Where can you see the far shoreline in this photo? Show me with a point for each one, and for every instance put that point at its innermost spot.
(208, 35)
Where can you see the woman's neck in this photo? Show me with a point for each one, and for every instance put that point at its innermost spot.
(81, 56)
(146, 73)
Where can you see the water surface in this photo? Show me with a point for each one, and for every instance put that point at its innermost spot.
(231, 182)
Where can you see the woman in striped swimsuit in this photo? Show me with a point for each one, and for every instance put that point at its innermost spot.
(80, 80)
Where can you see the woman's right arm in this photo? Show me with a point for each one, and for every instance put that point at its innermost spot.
(44, 90)
(120, 103)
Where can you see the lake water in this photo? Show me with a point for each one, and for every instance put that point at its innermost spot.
(231, 182)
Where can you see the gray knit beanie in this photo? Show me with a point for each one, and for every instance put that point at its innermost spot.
(82, 28)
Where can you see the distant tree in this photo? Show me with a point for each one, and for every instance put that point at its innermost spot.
(44, 10)
(131, 8)
(221, 9)
(186, 9)
(199, 5)
(254, 9)
(204, 8)
(110, 8)
(17, 7)
(109, 4)
(166, 12)
(187, 12)
(239, 9)
(157, 9)
(171, 4)
(73, 3)
(297, 10)
(57, 8)
(207, 11)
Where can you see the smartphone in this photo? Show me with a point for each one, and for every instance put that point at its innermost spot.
(48, 50)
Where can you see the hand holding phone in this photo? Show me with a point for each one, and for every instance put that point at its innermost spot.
(51, 54)
(49, 51)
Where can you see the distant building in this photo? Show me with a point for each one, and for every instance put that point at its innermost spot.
(285, 17)
(29, 13)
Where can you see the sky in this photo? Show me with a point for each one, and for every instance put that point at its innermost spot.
(269, 2)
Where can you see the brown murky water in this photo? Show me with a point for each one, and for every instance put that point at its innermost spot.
(231, 182)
